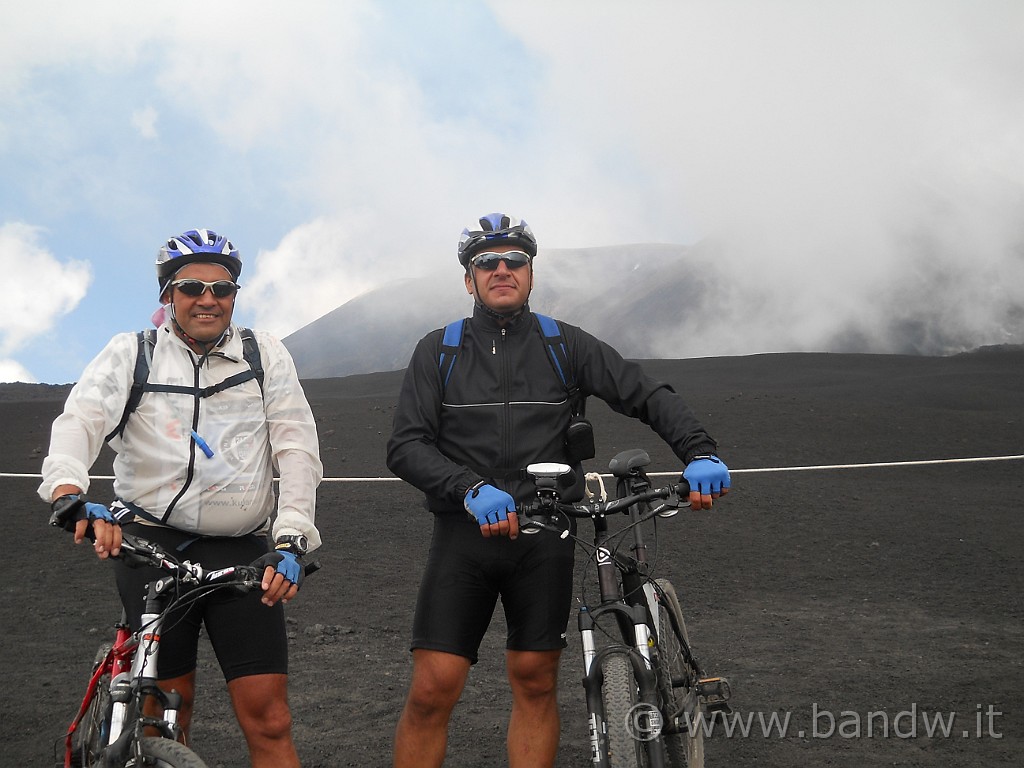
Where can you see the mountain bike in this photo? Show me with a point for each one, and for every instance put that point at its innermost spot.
(111, 728)
(647, 696)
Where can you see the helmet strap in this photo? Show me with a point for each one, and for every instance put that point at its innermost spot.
(203, 347)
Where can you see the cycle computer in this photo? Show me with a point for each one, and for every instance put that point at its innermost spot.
(548, 470)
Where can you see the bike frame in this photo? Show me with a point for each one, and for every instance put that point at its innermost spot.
(132, 660)
(117, 661)
(626, 620)
(133, 679)
(627, 598)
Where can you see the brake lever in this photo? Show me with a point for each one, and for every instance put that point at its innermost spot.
(533, 525)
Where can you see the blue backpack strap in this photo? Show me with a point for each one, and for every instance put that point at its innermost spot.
(450, 343)
(558, 353)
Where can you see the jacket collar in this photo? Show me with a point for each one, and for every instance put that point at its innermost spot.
(489, 323)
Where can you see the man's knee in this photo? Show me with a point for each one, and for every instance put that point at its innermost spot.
(261, 706)
(437, 683)
(533, 674)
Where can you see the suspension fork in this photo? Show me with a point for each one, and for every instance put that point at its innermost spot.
(637, 650)
(140, 682)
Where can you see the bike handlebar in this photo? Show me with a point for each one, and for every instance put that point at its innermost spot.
(137, 551)
(593, 509)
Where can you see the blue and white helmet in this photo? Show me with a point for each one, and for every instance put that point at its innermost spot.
(495, 229)
(193, 246)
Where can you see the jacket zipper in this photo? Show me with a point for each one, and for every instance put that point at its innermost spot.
(507, 416)
(191, 446)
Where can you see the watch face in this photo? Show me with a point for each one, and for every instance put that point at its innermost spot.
(300, 543)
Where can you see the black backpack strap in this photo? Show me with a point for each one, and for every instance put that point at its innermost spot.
(450, 343)
(251, 353)
(143, 357)
(252, 357)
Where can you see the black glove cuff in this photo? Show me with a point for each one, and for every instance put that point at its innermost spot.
(66, 509)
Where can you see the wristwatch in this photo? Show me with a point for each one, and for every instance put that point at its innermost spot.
(297, 545)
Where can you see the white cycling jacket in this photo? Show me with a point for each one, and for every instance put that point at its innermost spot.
(159, 466)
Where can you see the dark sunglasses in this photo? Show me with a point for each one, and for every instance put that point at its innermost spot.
(489, 260)
(221, 289)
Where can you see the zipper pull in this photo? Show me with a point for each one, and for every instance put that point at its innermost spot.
(494, 349)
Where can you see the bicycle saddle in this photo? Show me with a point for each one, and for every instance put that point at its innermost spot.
(626, 463)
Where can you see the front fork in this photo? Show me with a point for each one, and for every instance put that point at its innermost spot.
(133, 687)
(648, 717)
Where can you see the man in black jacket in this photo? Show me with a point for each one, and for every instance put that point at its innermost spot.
(463, 435)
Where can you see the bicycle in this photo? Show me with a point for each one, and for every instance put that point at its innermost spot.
(646, 695)
(110, 728)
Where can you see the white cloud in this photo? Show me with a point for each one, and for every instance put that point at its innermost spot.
(315, 268)
(813, 141)
(821, 146)
(144, 121)
(846, 157)
(12, 370)
(46, 289)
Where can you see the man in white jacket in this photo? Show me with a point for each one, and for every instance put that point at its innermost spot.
(194, 472)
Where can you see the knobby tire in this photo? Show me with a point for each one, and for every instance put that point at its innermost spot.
(164, 753)
(683, 750)
(620, 694)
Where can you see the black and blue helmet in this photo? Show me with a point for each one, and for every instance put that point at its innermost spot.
(495, 229)
(193, 246)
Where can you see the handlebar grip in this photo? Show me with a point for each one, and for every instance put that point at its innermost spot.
(65, 521)
(64, 518)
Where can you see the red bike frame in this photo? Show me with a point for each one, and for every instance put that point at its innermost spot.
(118, 660)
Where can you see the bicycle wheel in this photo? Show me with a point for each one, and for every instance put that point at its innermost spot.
(164, 753)
(89, 739)
(683, 749)
(620, 694)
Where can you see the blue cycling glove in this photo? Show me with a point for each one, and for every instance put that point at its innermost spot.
(489, 504)
(285, 563)
(707, 474)
(93, 511)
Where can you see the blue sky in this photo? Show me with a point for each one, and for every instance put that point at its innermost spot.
(845, 157)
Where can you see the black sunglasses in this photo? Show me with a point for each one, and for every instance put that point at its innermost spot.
(489, 260)
(221, 289)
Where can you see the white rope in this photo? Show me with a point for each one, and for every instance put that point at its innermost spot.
(1014, 457)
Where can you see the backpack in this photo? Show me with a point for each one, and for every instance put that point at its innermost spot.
(579, 435)
(144, 357)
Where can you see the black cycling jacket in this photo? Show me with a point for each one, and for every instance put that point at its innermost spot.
(504, 407)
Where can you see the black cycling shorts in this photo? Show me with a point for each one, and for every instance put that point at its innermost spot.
(247, 636)
(466, 574)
